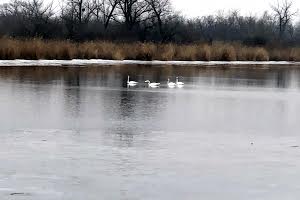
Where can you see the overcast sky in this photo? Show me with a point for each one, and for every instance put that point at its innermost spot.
(193, 8)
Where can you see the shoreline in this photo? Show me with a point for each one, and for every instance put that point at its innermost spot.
(142, 53)
(102, 62)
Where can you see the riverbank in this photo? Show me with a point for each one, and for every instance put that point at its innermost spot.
(37, 49)
(83, 62)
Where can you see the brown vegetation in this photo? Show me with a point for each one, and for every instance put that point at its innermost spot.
(42, 49)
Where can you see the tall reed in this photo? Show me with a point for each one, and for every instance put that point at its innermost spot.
(64, 50)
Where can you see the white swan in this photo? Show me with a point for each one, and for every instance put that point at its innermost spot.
(171, 84)
(152, 85)
(179, 84)
(131, 83)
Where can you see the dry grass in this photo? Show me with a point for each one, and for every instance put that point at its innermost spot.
(41, 49)
(165, 52)
(294, 54)
(253, 54)
(204, 53)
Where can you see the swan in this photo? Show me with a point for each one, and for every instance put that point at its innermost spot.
(131, 83)
(179, 84)
(152, 85)
(171, 84)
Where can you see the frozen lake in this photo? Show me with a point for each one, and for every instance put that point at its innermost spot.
(79, 133)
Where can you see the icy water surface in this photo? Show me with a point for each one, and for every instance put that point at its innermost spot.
(80, 133)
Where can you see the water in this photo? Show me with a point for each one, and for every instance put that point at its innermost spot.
(80, 133)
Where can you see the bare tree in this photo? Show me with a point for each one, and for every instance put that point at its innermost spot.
(76, 14)
(284, 14)
(297, 33)
(80, 11)
(160, 9)
(145, 20)
(106, 10)
(133, 12)
(12, 8)
(30, 18)
(36, 9)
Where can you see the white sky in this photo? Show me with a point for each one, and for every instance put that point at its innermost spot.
(194, 8)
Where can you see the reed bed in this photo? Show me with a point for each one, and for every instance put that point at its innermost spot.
(65, 50)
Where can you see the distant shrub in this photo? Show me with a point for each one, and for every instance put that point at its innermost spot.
(255, 41)
(295, 54)
(204, 53)
(186, 52)
(261, 54)
(145, 51)
(165, 52)
(276, 55)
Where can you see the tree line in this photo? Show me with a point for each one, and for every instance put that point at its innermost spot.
(145, 20)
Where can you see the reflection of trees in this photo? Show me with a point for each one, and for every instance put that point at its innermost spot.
(73, 79)
(116, 76)
(133, 114)
(282, 79)
(295, 79)
(120, 107)
(72, 102)
(127, 104)
(128, 112)
(279, 78)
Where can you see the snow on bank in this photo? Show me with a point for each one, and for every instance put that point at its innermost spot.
(77, 62)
